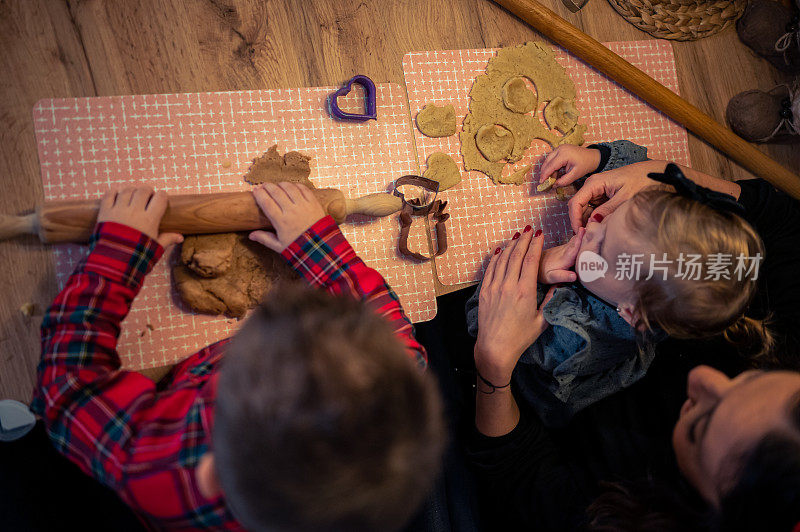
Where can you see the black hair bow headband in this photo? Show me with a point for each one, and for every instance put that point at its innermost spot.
(689, 189)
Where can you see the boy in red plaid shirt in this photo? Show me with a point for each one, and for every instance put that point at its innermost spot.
(315, 415)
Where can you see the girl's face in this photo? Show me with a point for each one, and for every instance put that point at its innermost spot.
(611, 238)
(724, 418)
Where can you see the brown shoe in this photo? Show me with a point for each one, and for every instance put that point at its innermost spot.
(773, 32)
(760, 116)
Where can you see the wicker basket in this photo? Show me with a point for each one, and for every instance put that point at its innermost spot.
(680, 20)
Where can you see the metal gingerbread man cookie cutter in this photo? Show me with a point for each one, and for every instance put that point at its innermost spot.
(414, 207)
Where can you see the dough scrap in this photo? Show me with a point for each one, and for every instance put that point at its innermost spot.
(442, 168)
(536, 62)
(208, 255)
(274, 167)
(564, 193)
(518, 97)
(251, 271)
(546, 185)
(517, 178)
(561, 114)
(494, 142)
(436, 121)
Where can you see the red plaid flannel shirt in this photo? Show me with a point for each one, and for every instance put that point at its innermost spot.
(144, 439)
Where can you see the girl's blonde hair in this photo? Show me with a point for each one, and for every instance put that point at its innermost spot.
(687, 308)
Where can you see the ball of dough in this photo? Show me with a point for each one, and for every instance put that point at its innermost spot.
(248, 274)
(494, 141)
(442, 168)
(435, 121)
(561, 114)
(518, 97)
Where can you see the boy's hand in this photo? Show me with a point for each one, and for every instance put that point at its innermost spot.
(557, 261)
(568, 163)
(291, 208)
(139, 208)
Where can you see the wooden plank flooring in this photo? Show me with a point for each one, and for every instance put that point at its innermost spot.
(63, 48)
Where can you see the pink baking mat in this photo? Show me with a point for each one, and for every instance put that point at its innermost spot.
(189, 143)
(484, 215)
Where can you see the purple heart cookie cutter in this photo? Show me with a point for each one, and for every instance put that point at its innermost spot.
(370, 105)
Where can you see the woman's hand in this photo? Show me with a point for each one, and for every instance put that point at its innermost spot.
(568, 163)
(557, 262)
(608, 190)
(508, 318)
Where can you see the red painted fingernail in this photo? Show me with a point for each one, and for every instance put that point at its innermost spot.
(573, 233)
(516, 236)
(597, 217)
(497, 251)
(527, 228)
(538, 232)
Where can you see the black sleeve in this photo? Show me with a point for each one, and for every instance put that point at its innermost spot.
(605, 155)
(526, 480)
(776, 218)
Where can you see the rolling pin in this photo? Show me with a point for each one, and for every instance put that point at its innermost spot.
(558, 30)
(73, 221)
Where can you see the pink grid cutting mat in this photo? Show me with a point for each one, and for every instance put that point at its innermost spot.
(190, 143)
(484, 215)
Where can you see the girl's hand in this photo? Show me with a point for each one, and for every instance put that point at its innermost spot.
(508, 318)
(292, 209)
(568, 163)
(139, 208)
(557, 262)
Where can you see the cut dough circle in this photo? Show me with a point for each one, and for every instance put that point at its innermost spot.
(442, 168)
(494, 141)
(561, 114)
(436, 121)
(518, 97)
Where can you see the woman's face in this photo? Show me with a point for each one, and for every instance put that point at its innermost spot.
(723, 418)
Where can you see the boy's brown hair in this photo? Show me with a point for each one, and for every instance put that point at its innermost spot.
(322, 421)
(685, 308)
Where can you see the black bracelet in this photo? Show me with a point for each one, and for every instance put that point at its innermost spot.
(489, 384)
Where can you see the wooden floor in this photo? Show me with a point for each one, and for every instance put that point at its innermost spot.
(63, 48)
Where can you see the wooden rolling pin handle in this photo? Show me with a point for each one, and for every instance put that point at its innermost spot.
(377, 204)
(74, 221)
(12, 226)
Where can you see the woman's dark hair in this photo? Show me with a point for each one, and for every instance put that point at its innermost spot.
(643, 505)
(764, 496)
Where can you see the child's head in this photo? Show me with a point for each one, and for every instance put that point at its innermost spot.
(322, 421)
(656, 222)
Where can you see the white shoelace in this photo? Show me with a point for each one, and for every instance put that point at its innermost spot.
(789, 125)
(790, 37)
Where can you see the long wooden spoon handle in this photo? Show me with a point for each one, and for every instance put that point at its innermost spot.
(555, 28)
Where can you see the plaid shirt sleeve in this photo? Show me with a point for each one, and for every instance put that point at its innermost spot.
(90, 407)
(324, 258)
